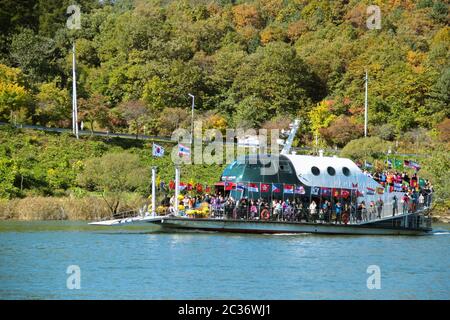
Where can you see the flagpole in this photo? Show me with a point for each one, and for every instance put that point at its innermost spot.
(177, 186)
(153, 191)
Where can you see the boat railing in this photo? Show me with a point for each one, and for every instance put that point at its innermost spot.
(122, 215)
(355, 215)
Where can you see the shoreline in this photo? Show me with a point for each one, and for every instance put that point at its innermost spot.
(87, 208)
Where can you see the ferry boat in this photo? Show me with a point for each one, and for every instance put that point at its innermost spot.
(310, 179)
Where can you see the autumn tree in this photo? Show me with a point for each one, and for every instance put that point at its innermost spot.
(134, 112)
(94, 110)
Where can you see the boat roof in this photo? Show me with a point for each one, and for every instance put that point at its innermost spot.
(332, 172)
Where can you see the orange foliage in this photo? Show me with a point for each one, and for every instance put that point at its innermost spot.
(444, 130)
(246, 15)
(296, 29)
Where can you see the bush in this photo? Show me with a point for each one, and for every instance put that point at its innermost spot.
(366, 148)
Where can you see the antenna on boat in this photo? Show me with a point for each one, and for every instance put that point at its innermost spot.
(287, 146)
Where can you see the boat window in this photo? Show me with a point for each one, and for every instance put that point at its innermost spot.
(346, 171)
(331, 171)
(285, 168)
(315, 171)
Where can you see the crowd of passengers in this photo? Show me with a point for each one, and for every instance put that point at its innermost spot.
(305, 209)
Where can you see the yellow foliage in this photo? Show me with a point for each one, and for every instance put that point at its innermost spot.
(320, 116)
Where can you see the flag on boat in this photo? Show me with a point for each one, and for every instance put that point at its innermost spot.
(171, 185)
(411, 164)
(326, 192)
(315, 191)
(422, 182)
(253, 187)
(189, 186)
(182, 186)
(288, 188)
(397, 163)
(229, 185)
(389, 163)
(398, 187)
(240, 186)
(208, 189)
(183, 151)
(336, 193)
(265, 187)
(276, 187)
(157, 151)
(345, 193)
(380, 190)
(370, 191)
(199, 188)
(299, 190)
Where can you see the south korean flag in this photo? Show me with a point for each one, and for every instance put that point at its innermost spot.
(158, 151)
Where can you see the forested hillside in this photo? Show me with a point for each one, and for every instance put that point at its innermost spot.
(248, 63)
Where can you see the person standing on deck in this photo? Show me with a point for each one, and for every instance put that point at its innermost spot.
(338, 211)
(394, 205)
(421, 201)
(313, 209)
(405, 200)
(379, 205)
(364, 211)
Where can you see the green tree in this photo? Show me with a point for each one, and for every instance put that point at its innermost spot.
(366, 149)
(15, 100)
(53, 104)
(114, 175)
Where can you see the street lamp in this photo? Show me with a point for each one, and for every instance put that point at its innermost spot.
(192, 117)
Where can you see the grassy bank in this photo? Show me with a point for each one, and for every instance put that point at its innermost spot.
(62, 208)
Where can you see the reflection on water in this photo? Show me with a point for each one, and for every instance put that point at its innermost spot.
(145, 263)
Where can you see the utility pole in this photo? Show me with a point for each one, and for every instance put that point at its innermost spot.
(365, 105)
(192, 117)
(74, 23)
(153, 191)
(74, 95)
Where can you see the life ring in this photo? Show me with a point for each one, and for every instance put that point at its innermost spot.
(345, 218)
(265, 214)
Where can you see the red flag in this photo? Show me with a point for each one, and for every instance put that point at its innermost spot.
(171, 185)
(345, 193)
(288, 188)
(199, 188)
(189, 187)
(265, 187)
(336, 193)
(229, 186)
(208, 189)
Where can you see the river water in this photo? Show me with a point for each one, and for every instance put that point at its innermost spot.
(144, 263)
